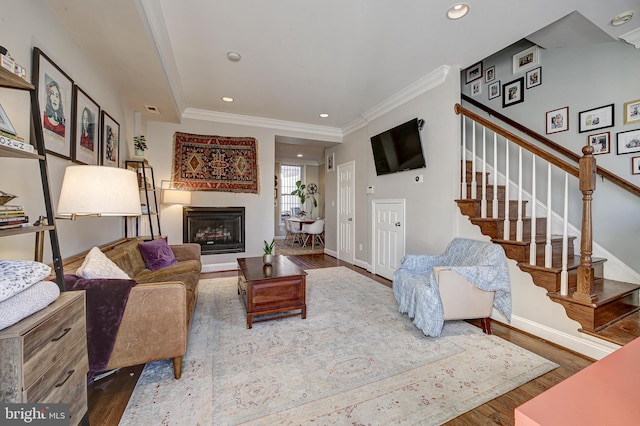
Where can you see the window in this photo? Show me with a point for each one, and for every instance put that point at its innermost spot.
(289, 175)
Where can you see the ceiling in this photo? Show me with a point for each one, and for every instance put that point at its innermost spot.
(301, 58)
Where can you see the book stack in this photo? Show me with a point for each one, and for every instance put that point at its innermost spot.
(15, 142)
(12, 216)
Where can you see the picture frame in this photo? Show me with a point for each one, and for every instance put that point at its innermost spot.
(494, 90)
(110, 135)
(55, 96)
(557, 120)
(476, 88)
(533, 77)
(635, 165)
(596, 118)
(513, 92)
(632, 112)
(526, 59)
(490, 74)
(331, 158)
(628, 142)
(473, 73)
(5, 123)
(86, 135)
(600, 142)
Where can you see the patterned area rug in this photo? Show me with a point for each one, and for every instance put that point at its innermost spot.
(354, 360)
(286, 250)
(214, 163)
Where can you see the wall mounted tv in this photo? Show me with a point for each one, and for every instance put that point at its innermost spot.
(398, 149)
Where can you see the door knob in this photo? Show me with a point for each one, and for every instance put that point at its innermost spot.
(350, 219)
(397, 223)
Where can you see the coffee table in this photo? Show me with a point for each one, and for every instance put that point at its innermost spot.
(271, 292)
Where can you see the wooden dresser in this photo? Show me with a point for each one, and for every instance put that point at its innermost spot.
(43, 358)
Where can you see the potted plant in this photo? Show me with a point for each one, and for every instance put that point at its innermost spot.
(140, 145)
(306, 191)
(267, 257)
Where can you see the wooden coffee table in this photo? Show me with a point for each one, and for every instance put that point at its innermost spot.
(278, 290)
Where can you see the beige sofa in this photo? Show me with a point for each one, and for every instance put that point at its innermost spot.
(157, 314)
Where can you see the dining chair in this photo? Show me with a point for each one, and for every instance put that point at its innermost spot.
(314, 231)
(294, 233)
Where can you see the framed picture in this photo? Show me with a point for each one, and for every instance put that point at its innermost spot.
(5, 123)
(494, 90)
(526, 59)
(473, 73)
(558, 120)
(476, 87)
(331, 158)
(600, 143)
(513, 92)
(55, 96)
(110, 140)
(490, 74)
(628, 142)
(635, 165)
(632, 111)
(597, 118)
(86, 139)
(533, 77)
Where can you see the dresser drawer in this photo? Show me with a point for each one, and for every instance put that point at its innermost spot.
(45, 344)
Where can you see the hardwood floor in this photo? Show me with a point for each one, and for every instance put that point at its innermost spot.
(109, 396)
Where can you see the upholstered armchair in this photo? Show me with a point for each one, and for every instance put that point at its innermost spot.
(465, 282)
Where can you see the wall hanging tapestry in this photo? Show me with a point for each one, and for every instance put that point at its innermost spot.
(215, 163)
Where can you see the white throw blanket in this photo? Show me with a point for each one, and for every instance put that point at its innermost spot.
(416, 289)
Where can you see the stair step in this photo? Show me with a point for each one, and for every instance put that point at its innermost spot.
(494, 228)
(550, 278)
(520, 250)
(499, 196)
(620, 332)
(473, 208)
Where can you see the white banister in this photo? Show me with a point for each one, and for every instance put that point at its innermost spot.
(507, 225)
(483, 201)
(519, 222)
(532, 246)
(494, 204)
(564, 276)
(548, 250)
(463, 189)
(474, 183)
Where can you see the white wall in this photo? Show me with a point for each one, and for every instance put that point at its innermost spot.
(27, 24)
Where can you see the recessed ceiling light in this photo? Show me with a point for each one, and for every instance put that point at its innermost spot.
(152, 109)
(621, 19)
(227, 99)
(233, 56)
(324, 115)
(457, 11)
(299, 155)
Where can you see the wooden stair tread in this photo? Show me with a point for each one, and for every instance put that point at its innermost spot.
(606, 291)
(572, 263)
(620, 332)
(540, 240)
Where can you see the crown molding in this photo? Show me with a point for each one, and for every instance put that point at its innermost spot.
(632, 37)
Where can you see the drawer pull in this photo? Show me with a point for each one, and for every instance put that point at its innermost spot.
(69, 374)
(66, 330)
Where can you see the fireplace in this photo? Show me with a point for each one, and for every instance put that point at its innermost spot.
(217, 229)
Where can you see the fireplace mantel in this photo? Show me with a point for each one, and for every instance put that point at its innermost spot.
(218, 230)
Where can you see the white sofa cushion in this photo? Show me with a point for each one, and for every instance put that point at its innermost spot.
(97, 265)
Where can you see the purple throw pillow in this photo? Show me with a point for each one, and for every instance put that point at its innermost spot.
(157, 254)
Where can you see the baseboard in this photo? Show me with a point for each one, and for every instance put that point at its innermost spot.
(363, 264)
(331, 253)
(587, 345)
(218, 267)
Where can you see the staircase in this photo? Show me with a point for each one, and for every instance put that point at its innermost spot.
(605, 308)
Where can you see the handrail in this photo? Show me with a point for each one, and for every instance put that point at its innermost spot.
(568, 168)
(602, 172)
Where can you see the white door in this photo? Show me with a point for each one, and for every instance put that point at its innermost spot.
(346, 212)
(388, 236)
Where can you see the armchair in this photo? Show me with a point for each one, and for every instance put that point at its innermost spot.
(467, 281)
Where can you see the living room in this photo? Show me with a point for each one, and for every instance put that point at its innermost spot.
(432, 216)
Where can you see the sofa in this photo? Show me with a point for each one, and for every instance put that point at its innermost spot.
(138, 315)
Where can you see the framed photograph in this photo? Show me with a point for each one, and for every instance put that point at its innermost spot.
(473, 73)
(513, 92)
(628, 142)
(86, 139)
(533, 77)
(632, 111)
(490, 74)
(110, 140)
(55, 96)
(5, 123)
(494, 90)
(526, 59)
(635, 165)
(476, 87)
(597, 118)
(331, 166)
(600, 143)
(558, 120)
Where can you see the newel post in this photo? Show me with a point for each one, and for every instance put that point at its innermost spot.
(585, 291)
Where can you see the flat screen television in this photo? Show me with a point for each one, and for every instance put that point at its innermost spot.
(398, 149)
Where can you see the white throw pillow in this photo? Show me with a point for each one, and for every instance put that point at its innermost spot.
(97, 265)
(36, 297)
(18, 275)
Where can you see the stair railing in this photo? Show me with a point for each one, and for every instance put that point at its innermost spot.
(586, 174)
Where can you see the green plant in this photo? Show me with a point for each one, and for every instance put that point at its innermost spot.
(303, 192)
(140, 142)
(268, 247)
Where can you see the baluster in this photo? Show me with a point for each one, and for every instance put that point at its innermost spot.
(532, 246)
(463, 195)
(474, 182)
(494, 204)
(564, 276)
(548, 249)
(585, 287)
(483, 201)
(507, 224)
(519, 222)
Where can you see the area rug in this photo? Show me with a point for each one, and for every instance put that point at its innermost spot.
(214, 163)
(287, 250)
(354, 360)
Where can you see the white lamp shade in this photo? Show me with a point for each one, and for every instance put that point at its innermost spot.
(176, 196)
(99, 190)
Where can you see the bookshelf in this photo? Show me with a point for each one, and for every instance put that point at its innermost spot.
(148, 198)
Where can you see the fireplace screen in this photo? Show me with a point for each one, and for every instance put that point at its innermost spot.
(217, 229)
